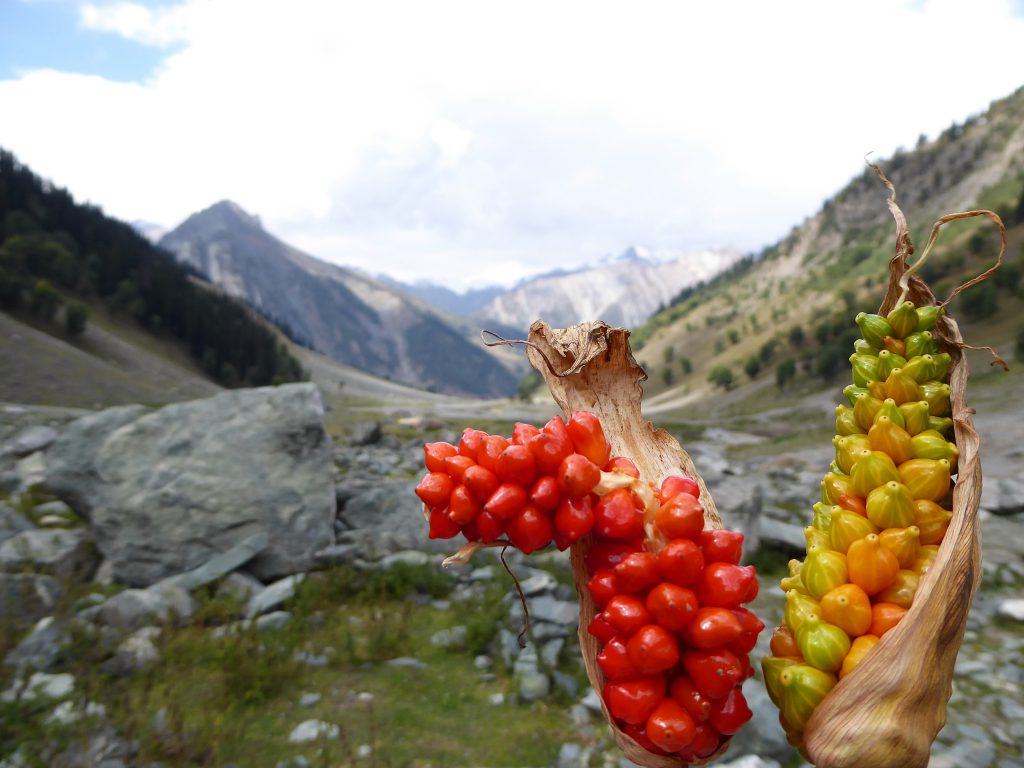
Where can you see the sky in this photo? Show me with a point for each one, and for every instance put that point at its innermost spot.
(476, 142)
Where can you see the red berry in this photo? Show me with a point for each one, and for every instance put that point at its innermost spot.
(721, 546)
(670, 726)
(603, 586)
(706, 742)
(731, 713)
(692, 700)
(712, 628)
(556, 428)
(637, 572)
(725, 585)
(632, 701)
(470, 442)
(549, 451)
(506, 502)
(481, 482)
(574, 518)
(490, 449)
(577, 475)
(463, 508)
(489, 527)
(615, 662)
(713, 673)
(521, 433)
(682, 517)
(601, 629)
(588, 437)
(653, 649)
(529, 530)
(546, 494)
(624, 465)
(435, 488)
(434, 455)
(672, 606)
(516, 465)
(626, 613)
(638, 734)
(456, 467)
(608, 554)
(681, 562)
(616, 516)
(752, 627)
(440, 525)
(673, 485)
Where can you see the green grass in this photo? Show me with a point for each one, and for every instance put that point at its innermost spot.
(235, 699)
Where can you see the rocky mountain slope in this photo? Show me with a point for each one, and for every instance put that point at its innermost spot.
(788, 311)
(345, 315)
(624, 291)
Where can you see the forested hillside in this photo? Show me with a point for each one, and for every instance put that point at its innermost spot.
(58, 256)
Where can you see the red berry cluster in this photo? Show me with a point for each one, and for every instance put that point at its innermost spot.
(676, 639)
(669, 593)
(533, 488)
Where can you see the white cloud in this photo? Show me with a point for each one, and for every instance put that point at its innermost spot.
(160, 27)
(462, 139)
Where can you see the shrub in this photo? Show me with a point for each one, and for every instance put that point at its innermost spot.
(784, 373)
(722, 376)
(76, 317)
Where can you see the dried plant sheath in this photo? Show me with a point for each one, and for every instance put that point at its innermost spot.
(887, 712)
(590, 367)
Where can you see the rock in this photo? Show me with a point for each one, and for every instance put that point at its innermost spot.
(592, 701)
(336, 554)
(550, 650)
(407, 662)
(315, 660)
(496, 699)
(41, 649)
(31, 440)
(313, 730)
(67, 554)
(30, 471)
(452, 637)
(238, 586)
(367, 433)
(135, 608)
(387, 517)
(1003, 496)
(562, 612)
(1012, 609)
(168, 490)
(570, 756)
(483, 662)
(135, 653)
(11, 523)
(539, 582)
(268, 622)
(222, 563)
(69, 712)
(27, 597)
(777, 535)
(309, 700)
(273, 595)
(567, 683)
(57, 508)
(42, 686)
(409, 557)
(531, 683)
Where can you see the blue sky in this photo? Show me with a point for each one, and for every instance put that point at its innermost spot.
(461, 141)
(46, 34)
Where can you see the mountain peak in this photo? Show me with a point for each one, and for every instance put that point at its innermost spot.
(228, 212)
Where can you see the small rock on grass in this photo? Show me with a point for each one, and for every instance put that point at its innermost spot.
(312, 730)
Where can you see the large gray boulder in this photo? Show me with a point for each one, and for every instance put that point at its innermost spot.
(165, 491)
